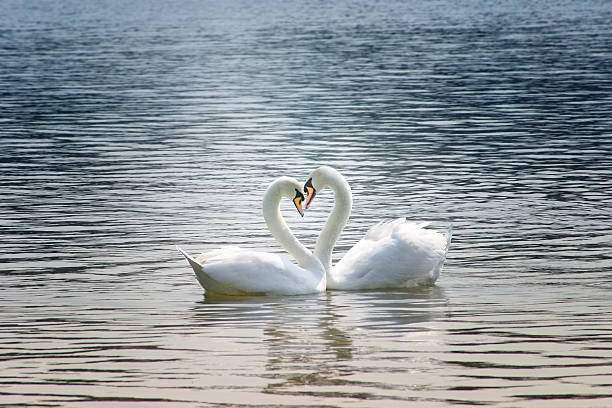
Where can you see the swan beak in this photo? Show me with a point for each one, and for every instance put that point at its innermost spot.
(310, 192)
(297, 200)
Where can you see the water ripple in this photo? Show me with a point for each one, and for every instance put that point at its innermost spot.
(129, 128)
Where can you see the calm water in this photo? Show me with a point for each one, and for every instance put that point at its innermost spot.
(129, 127)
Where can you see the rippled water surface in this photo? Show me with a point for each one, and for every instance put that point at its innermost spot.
(127, 128)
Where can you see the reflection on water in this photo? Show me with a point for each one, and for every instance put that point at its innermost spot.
(126, 129)
(309, 343)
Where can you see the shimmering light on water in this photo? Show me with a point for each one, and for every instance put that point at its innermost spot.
(126, 129)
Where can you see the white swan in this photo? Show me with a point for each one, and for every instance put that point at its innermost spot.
(236, 271)
(392, 254)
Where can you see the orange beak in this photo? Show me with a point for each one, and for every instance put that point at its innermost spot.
(298, 205)
(310, 192)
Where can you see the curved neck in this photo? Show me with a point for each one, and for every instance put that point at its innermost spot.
(343, 202)
(281, 231)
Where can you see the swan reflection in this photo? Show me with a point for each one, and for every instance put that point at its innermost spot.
(318, 340)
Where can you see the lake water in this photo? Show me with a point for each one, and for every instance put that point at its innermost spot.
(127, 128)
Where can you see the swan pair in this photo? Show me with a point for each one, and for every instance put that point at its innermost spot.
(392, 254)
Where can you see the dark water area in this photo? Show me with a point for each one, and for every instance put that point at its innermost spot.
(127, 129)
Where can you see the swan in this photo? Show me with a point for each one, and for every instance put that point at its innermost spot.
(235, 271)
(392, 254)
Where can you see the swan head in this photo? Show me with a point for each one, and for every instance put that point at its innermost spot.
(319, 179)
(290, 188)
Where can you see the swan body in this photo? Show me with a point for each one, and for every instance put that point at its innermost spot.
(233, 270)
(392, 254)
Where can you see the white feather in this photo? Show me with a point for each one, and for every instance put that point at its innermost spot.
(394, 253)
(236, 271)
(232, 270)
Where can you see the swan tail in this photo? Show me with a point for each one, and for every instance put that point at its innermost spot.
(195, 265)
(449, 236)
(208, 282)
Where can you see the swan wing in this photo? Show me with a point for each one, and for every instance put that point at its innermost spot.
(393, 253)
(236, 271)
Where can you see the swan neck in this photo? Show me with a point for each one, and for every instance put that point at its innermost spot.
(281, 231)
(343, 202)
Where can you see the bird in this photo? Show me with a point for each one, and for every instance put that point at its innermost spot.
(392, 254)
(232, 270)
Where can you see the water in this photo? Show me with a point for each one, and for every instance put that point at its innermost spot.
(129, 128)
